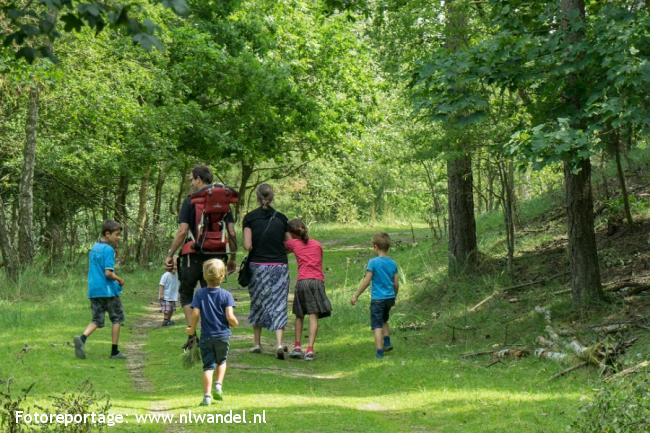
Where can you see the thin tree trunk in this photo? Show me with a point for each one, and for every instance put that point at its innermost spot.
(621, 180)
(506, 175)
(435, 226)
(157, 204)
(6, 246)
(463, 251)
(489, 201)
(603, 167)
(141, 255)
(246, 173)
(479, 186)
(183, 187)
(54, 234)
(121, 212)
(585, 274)
(26, 196)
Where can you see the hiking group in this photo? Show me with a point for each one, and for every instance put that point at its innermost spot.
(208, 247)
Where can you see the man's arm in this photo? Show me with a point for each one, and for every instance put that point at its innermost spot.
(180, 236)
(194, 319)
(362, 287)
(232, 245)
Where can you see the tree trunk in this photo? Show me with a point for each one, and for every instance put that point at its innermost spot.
(157, 204)
(463, 251)
(506, 175)
(183, 188)
(434, 225)
(54, 234)
(583, 255)
(246, 173)
(479, 185)
(121, 212)
(585, 273)
(621, 179)
(141, 254)
(26, 196)
(489, 203)
(9, 257)
(603, 175)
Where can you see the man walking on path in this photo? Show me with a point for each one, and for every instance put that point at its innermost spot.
(190, 261)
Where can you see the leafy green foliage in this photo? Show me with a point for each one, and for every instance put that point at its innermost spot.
(621, 407)
(32, 29)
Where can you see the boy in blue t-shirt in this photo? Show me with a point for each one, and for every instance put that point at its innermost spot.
(382, 273)
(104, 288)
(214, 306)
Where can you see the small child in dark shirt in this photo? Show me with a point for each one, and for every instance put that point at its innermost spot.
(214, 306)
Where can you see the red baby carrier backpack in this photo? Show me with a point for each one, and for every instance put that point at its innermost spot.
(211, 204)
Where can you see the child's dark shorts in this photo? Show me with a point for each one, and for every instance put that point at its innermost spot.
(379, 312)
(112, 306)
(214, 351)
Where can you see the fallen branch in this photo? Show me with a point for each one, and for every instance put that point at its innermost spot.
(569, 370)
(532, 283)
(635, 287)
(477, 306)
(515, 287)
(628, 371)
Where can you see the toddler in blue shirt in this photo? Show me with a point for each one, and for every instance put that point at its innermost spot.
(214, 306)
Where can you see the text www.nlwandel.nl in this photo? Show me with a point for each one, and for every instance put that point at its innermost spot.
(112, 419)
(190, 417)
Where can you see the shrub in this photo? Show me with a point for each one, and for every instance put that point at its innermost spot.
(620, 407)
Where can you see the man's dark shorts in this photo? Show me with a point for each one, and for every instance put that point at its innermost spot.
(190, 272)
(214, 351)
(379, 312)
(112, 306)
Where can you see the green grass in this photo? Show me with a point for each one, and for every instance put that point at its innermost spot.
(423, 386)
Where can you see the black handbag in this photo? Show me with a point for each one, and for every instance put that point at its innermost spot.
(245, 272)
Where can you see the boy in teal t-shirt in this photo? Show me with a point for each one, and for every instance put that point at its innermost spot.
(104, 289)
(381, 273)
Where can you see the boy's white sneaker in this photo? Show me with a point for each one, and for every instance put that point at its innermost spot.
(207, 400)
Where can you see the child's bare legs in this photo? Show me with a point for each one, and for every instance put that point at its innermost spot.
(207, 381)
(115, 332)
(92, 327)
(313, 329)
(386, 330)
(208, 375)
(379, 338)
(298, 338)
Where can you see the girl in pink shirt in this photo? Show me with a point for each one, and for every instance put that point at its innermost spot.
(309, 298)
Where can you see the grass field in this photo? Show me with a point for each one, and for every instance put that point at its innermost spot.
(422, 386)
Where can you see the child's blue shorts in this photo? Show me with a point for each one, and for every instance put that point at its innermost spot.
(379, 312)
